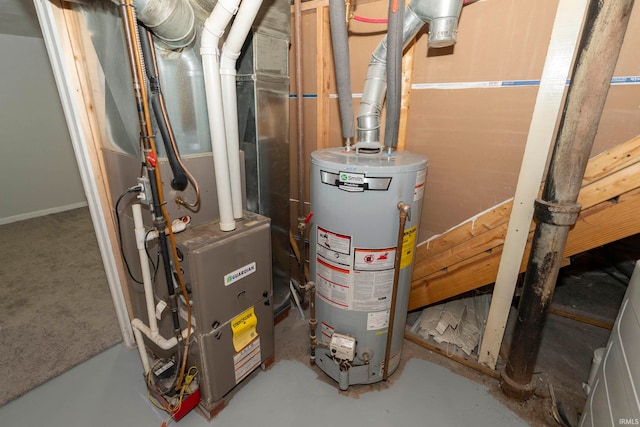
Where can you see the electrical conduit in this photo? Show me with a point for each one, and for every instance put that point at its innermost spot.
(213, 30)
(230, 53)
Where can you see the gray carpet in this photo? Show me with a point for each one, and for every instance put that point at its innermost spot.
(55, 307)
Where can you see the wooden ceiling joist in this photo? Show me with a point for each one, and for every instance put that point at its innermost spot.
(467, 256)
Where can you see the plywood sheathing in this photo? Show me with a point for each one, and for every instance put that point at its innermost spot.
(467, 256)
(474, 138)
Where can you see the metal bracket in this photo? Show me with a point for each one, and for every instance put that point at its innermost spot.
(556, 213)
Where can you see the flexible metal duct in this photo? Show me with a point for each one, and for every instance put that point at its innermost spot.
(442, 17)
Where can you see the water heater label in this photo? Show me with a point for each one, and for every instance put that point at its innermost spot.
(408, 247)
(240, 273)
(333, 242)
(333, 284)
(418, 192)
(355, 182)
(374, 259)
(377, 320)
(352, 178)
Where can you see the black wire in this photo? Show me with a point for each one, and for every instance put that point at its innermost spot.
(156, 264)
(124, 257)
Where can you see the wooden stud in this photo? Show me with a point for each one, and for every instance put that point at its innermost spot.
(407, 74)
(63, 38)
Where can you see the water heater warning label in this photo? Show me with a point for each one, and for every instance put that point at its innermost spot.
(374, 259)
(334, 242)
(418, 192)
(334, 268)
(408, 247)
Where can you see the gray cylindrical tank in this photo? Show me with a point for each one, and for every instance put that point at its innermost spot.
(354, 233)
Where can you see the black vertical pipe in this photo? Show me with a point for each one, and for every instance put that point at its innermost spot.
(557, 210)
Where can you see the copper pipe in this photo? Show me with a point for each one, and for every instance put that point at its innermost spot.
(300, 135)
(403, 209)
(161, 217)
(313, 323)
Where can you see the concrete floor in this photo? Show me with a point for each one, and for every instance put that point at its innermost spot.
(108, 390)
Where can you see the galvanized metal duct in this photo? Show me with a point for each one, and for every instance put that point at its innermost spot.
(230, 53)
(172, 21)
(442, 17)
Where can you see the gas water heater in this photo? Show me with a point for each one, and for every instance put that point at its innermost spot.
(354, 238)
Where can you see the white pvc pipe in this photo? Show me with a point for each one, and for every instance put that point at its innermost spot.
(214, 27)
(141, 349)
(159, 340)
(230, 53)
(140, 232)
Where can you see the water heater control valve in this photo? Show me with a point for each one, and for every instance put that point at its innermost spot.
(342, 347)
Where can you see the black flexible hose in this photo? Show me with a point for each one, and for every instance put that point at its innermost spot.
(180, 180)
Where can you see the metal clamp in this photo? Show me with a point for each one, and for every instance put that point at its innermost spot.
(556, 213)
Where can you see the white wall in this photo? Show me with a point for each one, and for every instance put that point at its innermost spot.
(38, 171)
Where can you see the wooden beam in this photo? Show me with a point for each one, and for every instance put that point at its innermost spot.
(405, 100)
(612, 160)
(581, 318)
(594, 228)
(466, 362)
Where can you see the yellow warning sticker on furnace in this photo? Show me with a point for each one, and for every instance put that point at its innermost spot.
(244, 329)
(408, 247)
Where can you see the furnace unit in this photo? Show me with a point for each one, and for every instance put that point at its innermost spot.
(229, 274)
